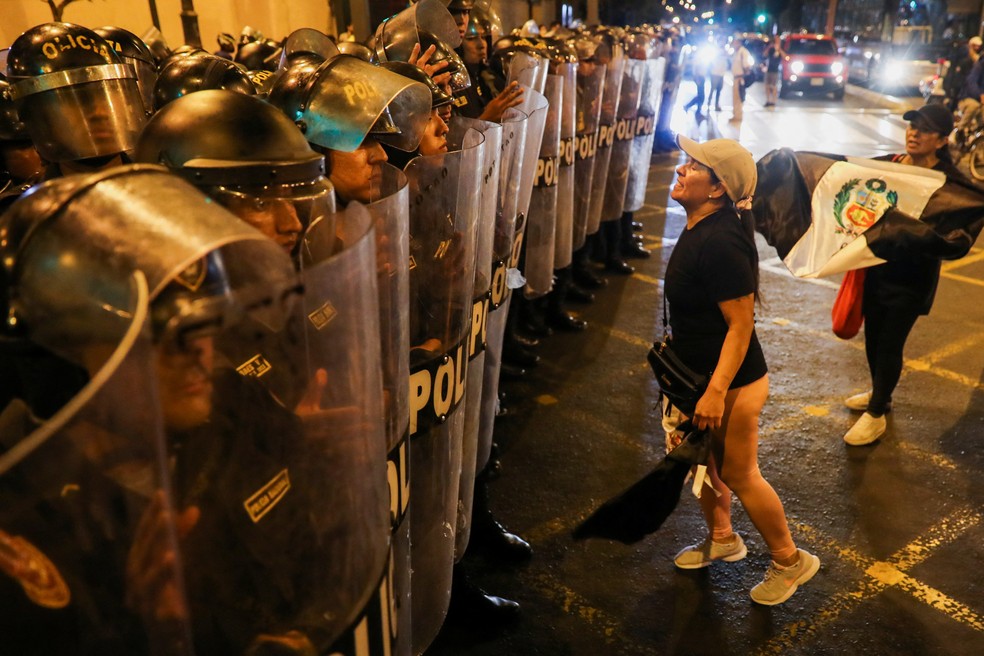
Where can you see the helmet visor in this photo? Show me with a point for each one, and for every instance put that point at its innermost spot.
(281, 212)
(86, 120)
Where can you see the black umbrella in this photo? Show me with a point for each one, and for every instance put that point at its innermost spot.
(642, 509)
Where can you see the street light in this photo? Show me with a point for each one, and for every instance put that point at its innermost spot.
(761, 19)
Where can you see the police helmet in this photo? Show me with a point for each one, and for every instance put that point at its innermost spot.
(77, 97)
(263, 54)
(136, 53)
(439, 97)
(359, 50)
(198, 72)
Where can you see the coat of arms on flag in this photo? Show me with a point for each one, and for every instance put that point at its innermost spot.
(859, 204)
(827, 214)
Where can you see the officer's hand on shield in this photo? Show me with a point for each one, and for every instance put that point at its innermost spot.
(511, 96)
(151, 567)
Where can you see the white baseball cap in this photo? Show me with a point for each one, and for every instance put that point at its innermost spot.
(730, 161)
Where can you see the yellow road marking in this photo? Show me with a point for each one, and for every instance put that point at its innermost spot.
(546, 399)
(964, 261)
(954, 347)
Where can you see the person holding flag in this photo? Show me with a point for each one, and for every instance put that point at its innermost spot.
(901, 290)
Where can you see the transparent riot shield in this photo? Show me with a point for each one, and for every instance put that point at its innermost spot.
(590, 88)
(384, 625)
(564, 234)
(525, 68)
(443, 214)
(542, 224)
(535, 106)
(618, 166)
(86, 510)
(481, 298)
(397, 35)
(606, 138)
(642, 144)
(514, 124)
(343, 413)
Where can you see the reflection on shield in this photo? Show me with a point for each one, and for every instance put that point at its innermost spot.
(625, 127)
(642, 144)
(539, 242)
(481, 298)
(443, 214)
(589, 92)
(606, 138)
(564, 235)
(511, 159)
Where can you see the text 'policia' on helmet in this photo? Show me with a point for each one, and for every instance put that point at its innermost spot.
(135, 53)
(77, 96)
(247, 156)
(338, 103)
(198, 72)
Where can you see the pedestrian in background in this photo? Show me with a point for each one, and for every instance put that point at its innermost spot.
(741, 67)
(961, 64)
(699, 74)
(773, 57)
(711, 289)
(719, 67)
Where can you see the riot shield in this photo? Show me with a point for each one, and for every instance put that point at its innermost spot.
(606, 138)
(590, 88)
(397, 35)
(481, 297)
(343, 409)
(384, 625)
(283, 474)
(535, 106)
(642, 144)
(443, 215)
(514, 123)
(563, 237)
(525, 67)
(618, 166)
(71, 518)
(542, 224)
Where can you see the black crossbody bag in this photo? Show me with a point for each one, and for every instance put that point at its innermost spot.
(677, 382)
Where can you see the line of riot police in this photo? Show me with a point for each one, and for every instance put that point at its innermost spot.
(257, 308)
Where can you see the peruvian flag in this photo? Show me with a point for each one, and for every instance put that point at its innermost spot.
(826, 214)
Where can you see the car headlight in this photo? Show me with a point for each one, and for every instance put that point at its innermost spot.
(837, 68)
(796, 67)
(892, 70)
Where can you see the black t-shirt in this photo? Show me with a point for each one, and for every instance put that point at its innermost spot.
(773, 59)
(712, 262)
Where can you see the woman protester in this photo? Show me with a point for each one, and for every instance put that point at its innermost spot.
(901, 290)
(711, 288)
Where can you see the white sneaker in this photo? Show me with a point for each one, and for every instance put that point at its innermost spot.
(866, 430)
(701, 555)
(858, 401)
(780, 583)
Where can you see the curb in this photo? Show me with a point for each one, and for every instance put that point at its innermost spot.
(882, 99)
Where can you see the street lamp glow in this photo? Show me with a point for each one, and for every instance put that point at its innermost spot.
(761, 19)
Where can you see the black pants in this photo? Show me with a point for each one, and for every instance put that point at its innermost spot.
(697, 100)
(885, 332)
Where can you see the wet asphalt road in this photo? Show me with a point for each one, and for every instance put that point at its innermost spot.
(897, 525)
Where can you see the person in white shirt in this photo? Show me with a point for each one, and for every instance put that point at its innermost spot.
(741, 65)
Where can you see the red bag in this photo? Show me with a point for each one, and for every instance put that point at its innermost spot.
(846, 314)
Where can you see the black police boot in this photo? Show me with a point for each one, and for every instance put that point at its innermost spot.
(614, 263)
(637, 226)
(472, 606)
(557, 316)
(511, 371)
(583, 271)
(488, 537)
(630, 246)
(532, 319)
(514, 353)
(578, 294)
